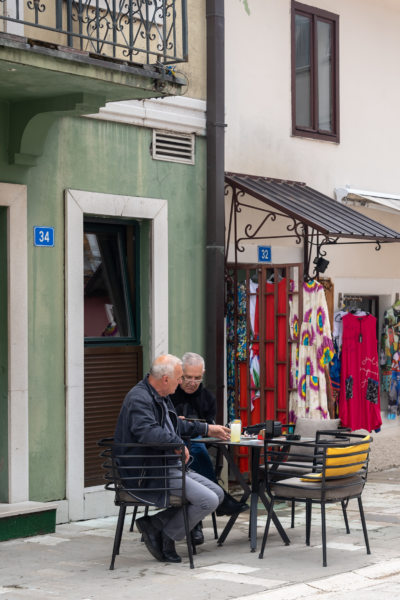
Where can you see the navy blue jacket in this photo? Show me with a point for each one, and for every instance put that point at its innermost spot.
(142, 419)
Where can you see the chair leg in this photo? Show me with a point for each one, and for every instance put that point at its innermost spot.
(364, 525)
(214, 522)
(344, 509)
(308, 521)
(133, 518)
(146, 512)
(194, 548)
(323, 523)
(118, 534)
(190, 545)
(265, 536)
(292, 519)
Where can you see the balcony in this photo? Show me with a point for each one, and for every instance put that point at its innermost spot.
(133, 31)
(72, 56)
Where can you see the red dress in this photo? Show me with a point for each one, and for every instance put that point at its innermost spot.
(359, 403)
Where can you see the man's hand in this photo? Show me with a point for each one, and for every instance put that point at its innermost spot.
(179, 452)
(220, 432)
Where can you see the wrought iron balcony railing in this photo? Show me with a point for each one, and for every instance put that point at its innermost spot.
(135, 31)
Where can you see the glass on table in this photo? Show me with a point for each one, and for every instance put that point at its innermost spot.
(236, 430)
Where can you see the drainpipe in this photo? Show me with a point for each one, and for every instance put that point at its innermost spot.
(214, 288)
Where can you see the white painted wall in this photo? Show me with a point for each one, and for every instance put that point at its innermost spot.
(258, 115)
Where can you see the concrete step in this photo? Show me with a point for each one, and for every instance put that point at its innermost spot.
(23, 519)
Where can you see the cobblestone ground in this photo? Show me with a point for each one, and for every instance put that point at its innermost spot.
(385, 451)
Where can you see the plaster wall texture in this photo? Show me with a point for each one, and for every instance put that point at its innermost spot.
(115, 159)
(258, 112)
(195, 68)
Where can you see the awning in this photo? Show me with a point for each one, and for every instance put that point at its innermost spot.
(312, 208)
(365, 197)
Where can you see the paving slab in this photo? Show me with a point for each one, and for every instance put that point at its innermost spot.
(73, 563)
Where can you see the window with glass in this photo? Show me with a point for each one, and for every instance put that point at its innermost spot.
(315, 68)
(110, 282)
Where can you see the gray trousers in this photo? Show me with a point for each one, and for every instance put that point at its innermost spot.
(203, 495)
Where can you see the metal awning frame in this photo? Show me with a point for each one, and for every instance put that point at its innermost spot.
(302, 231)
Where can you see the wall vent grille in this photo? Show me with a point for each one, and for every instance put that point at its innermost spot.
(174, 147)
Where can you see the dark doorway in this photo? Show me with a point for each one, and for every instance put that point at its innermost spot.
(113, 354)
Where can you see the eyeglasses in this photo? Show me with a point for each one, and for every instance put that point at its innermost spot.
(192, 378)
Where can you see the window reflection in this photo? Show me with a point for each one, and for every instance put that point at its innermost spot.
(105, 303)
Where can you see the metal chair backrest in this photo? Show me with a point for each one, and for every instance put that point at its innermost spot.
(142, 471)
(140, 475)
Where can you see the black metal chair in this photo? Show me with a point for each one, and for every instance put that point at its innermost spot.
(338, 474)
(302, 457)
(213, 515)
(127, 476)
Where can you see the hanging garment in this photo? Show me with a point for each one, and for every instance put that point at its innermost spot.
(359, 402)
(390, 335)
(294, 330)
(240, 353)
(315, 351)
(254, 350)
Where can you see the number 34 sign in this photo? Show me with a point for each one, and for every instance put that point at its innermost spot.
(43, 236)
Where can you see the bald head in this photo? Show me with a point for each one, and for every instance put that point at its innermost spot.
(164, 365)
(166, 374)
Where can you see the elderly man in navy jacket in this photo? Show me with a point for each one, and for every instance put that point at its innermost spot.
(148, 416)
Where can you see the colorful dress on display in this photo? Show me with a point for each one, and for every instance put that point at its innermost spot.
(241, 340)
(359, 403)
(294, 331)
(315, 352)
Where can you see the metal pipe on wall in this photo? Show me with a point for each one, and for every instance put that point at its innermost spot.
(215, 236)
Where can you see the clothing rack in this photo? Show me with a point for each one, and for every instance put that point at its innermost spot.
(343, 298)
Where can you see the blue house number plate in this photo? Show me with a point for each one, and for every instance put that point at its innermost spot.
(43, 236)
(264, 254)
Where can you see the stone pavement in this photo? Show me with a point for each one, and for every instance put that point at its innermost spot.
(72, 564)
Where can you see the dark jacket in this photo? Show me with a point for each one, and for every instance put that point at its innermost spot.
(142, 419)
(200, 405)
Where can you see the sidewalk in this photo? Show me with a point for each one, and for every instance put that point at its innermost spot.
(72, 564)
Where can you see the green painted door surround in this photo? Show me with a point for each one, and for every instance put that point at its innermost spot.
(3, 359)
(112, 158)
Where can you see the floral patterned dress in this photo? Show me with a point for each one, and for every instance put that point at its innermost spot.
(315, 352)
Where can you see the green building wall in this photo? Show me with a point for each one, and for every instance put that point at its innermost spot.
(99, 156)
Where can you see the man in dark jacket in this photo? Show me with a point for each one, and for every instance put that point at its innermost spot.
(148, 416)
(193, 401)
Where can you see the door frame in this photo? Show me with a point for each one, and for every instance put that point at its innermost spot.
(14, 198)
(85, 503)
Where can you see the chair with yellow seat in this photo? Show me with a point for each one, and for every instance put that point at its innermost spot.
(338, 474)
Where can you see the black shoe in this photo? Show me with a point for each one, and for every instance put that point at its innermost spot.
(151, 537)
(168, 549)
(197, 535)
(229, 506)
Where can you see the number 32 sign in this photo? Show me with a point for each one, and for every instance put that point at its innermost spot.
(264, 254)
(43, 236)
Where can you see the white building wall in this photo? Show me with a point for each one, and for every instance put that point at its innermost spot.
(258, 115)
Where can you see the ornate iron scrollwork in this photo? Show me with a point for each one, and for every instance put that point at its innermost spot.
(121, 29)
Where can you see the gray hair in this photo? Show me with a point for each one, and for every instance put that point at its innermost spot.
(190, 359)
(164, 365)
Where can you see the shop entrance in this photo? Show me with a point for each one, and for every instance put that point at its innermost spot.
(113, 354)
(263, 308)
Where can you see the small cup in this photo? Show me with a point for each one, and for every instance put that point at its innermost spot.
(236, 430)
